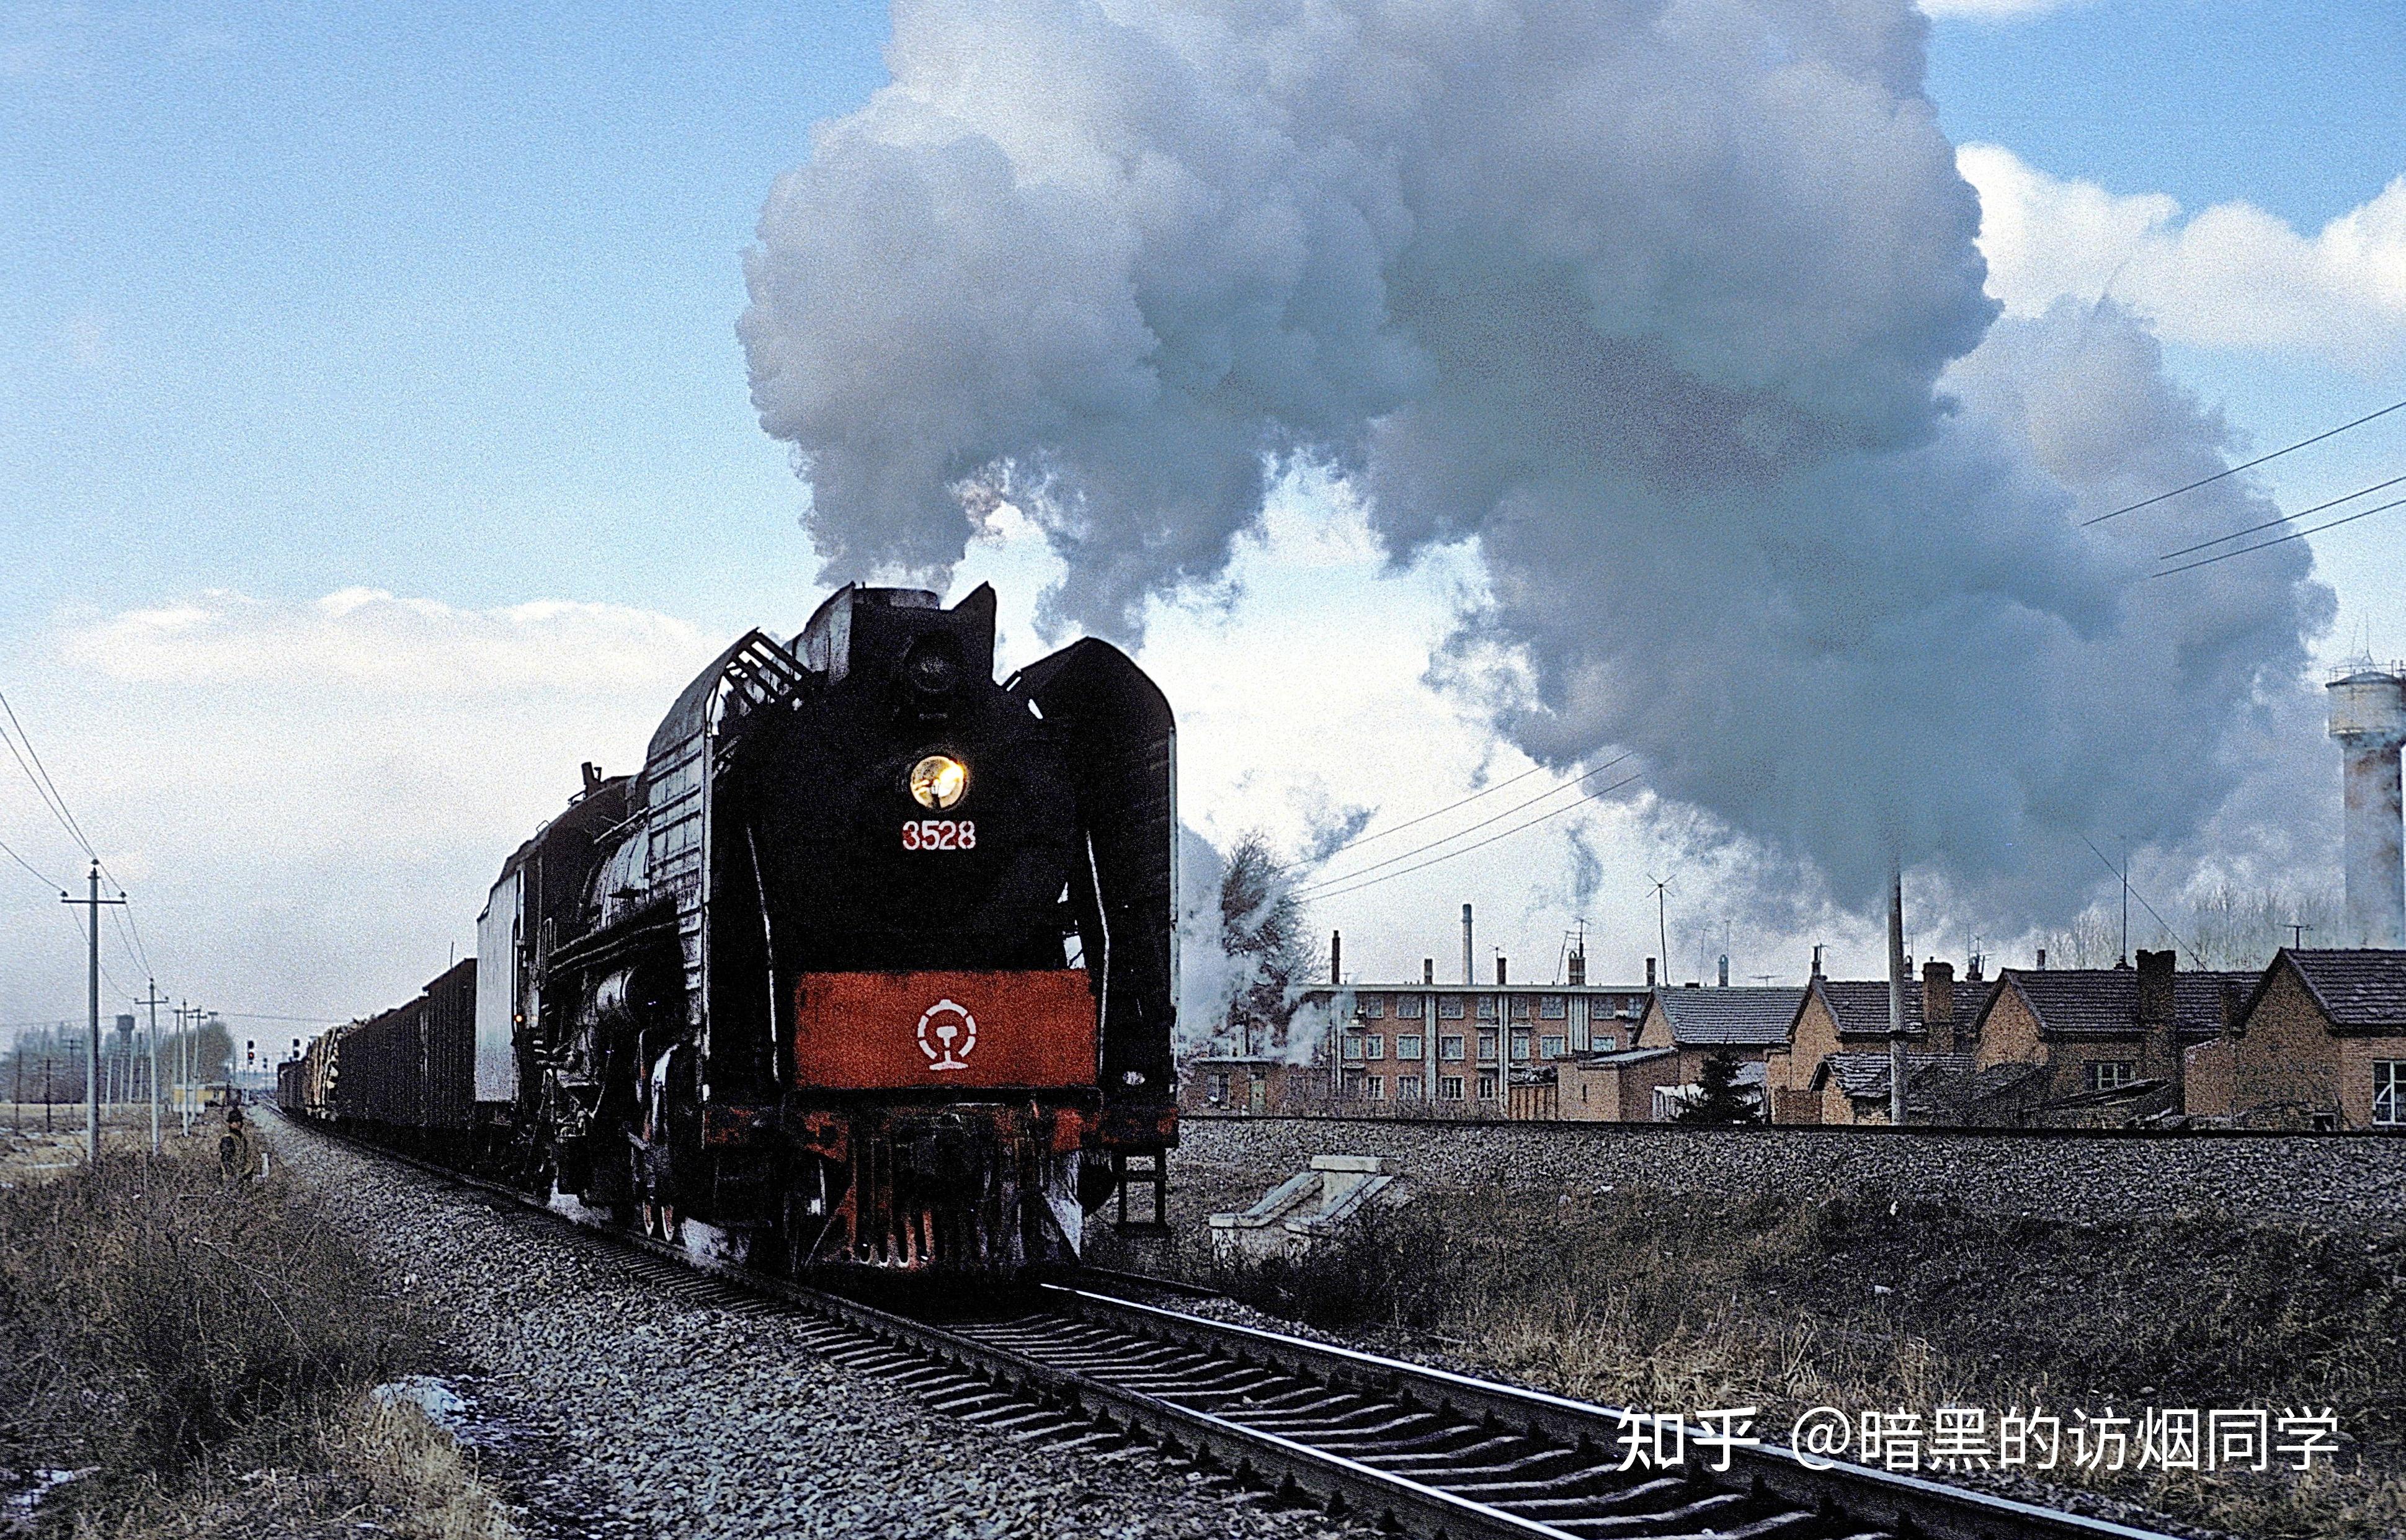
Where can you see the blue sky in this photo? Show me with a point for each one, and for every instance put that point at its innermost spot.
(440, 300)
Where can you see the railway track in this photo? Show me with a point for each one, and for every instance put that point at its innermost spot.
(1395, 1444)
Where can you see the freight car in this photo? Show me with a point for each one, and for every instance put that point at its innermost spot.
(873, 961)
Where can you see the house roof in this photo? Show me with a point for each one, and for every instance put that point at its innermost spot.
(1860, 1005)
(1616, 1059)
(1736, 1018)
(2105, 1001)
(1933, 1082)
(2359, 987)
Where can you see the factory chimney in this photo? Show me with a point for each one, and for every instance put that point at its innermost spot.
(1725, 970)
(1499, 968)
(1470, 972)
(1336, 956)
(1428, 970)
(2368, 716)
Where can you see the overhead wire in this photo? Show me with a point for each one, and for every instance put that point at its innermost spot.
(2275, 523)
(1504, 834)
(29, 867)
(57, 800)
(2245, 465)
(2123, 873)
(1437, 812)
(1309, 889)
(2280, 540)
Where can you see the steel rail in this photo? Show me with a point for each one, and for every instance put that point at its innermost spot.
(1363, 1435)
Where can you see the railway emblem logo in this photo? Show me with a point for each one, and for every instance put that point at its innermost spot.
(947, 1034)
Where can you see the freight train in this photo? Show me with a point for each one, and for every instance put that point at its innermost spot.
(873, 962)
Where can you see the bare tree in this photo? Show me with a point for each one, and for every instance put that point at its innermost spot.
(2092, 940)
(1261, 928)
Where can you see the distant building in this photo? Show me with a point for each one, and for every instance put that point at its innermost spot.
(1826, 1072)
(1749, 1024)
(1427, 1046)
(2317, 1041)
(2097, 1045)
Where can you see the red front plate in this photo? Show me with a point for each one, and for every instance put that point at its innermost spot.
(874, 1031)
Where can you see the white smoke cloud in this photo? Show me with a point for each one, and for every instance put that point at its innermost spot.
(1675, 313)
(2231, 275)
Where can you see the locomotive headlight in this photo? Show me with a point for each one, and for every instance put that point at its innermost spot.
(939, 780)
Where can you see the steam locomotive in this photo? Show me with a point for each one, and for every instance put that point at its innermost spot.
(873, 962)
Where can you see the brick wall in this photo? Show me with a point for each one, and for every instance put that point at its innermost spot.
(2340, 1180)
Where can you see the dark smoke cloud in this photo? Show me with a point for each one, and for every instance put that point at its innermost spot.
(1674, 306)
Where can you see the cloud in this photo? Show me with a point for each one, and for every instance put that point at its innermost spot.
(374, 644)
(2231, 275)
(310, 798)
(1674, 319)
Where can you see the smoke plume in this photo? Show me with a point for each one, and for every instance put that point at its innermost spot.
(1673, 304)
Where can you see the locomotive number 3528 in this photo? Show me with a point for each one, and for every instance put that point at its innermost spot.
(940, 834)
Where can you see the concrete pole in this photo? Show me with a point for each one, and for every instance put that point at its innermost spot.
(91, 1058)
(1896, 1067)
(151, 998)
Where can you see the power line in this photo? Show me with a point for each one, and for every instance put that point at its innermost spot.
(1375, 865)
(64, 816)
(2282, 540)
(1462, 803)
(2270, 523)
(29, 867)
(2245, 465)
(1543, 817)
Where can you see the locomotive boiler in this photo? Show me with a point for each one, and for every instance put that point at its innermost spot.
(872, 961)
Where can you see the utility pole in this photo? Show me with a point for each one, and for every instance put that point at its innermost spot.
(154, 1000)
(1896, 1063)
(2126, 903)
(92, 1046)
(1662, 923)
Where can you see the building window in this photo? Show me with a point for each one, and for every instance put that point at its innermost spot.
(1374, 1005)
(1550, 1046)
(1374, 1046)
(1520, 1047)
(1449, 1049)
(1408, 1006)
(1408, 1047)
(1353, 1045)
(1449, 1008)
(1521, 1006)
(1375, 1088)
(1552, 1008)
(1487, 1085)
(2389, 1092)
(1448, 1088)
(1352, 1089)
(2110, 1074)
(1487, 1048)
(1219, 1088)
(1487, 1008)
(1607, 1043)
(1408, 1088)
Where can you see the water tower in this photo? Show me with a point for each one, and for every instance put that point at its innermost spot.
(2368, 716)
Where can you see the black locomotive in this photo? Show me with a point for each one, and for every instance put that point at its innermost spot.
(872, 961)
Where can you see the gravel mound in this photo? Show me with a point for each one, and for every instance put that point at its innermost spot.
(609, 1410)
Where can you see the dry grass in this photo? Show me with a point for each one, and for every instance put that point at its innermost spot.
(364, 1468)
(1678, 1303)
(201, 1348)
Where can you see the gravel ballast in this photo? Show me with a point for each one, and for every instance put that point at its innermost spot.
(630, 1413)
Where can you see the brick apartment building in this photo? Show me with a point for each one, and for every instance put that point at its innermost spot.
(1430, 1046)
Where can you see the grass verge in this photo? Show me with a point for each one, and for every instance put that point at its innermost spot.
(1676, 1302)
(201, 1351)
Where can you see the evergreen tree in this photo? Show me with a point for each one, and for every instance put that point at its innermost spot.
(1723, 1100)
